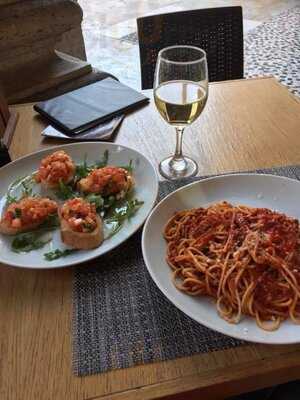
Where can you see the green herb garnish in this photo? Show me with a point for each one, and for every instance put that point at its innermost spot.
(82, 170)
(10, 199)
(65, 192)
(128, 167)
(50, 223)
(16, 183)
(109, 201)
(26, 182)
(95, 199)
(27, 187)
(25, 242)
(55, 254)
(18, 213)
(28, 241)
(124, 212)
(88, 227)
(133, 206)
(102, 163)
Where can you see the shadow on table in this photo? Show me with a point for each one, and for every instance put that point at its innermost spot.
(287, 391)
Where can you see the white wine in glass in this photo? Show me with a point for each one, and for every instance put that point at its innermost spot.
(180, 94)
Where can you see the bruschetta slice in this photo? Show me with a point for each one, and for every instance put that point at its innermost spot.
(81, 226)
(26, 215)
(107, 181)
(54, 168)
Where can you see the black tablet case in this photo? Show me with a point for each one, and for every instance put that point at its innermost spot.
(84, 108)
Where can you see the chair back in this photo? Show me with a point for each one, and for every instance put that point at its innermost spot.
(8, 122)
(4, 114)
(218, 31)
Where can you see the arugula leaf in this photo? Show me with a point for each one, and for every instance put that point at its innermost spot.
(50, 223)
(55, 254)
(126, 211)
(18, 212)
(65, 192)
(27, 188)
(102, 163)
(95, 199)
(128, 167)
(26, 182)
(88, 227)
(82, 170)
(133, 206)
(120, 214)
(113, 227)
(25, 242)
(10, 199)
(109, 201)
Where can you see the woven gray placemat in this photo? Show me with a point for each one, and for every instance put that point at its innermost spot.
(121, 319)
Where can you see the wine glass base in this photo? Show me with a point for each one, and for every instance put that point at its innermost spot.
(185, 168)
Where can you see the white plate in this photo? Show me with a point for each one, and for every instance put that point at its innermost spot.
(277, 193)
(146, 190)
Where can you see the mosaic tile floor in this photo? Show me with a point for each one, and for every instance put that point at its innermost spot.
(267, 53)
(109, 27)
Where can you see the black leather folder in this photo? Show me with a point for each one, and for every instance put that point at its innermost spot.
(84, 108)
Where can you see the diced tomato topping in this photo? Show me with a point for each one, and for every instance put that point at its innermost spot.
(106, 181)
(80, 215)
(55, 167)
(28, 211)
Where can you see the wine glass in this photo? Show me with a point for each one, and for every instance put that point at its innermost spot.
(180, 95)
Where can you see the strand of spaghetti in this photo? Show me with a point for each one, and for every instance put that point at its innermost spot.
(236, 281)
(292, 284)
(223, 274)
(246, 258)
(292, 311)
(223, 289)
(247, 293)
(197, 264)
(270, 326)
(230, 236)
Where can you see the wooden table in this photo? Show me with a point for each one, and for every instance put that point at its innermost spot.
(246, 124)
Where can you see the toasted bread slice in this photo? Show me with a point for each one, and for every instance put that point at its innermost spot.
(7, 229)
(55, 185)
(32, 212)
(80, 240)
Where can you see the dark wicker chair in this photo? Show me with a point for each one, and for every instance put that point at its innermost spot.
(219, 31)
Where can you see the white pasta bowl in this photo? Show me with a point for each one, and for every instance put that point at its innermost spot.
(257, 190)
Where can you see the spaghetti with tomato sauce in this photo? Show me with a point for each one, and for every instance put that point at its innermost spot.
(247, 259)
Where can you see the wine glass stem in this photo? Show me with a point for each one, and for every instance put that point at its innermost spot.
(178, 150)
(178, 163)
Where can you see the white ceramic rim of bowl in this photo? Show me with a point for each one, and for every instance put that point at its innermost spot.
(170, 297)
(63, 146)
